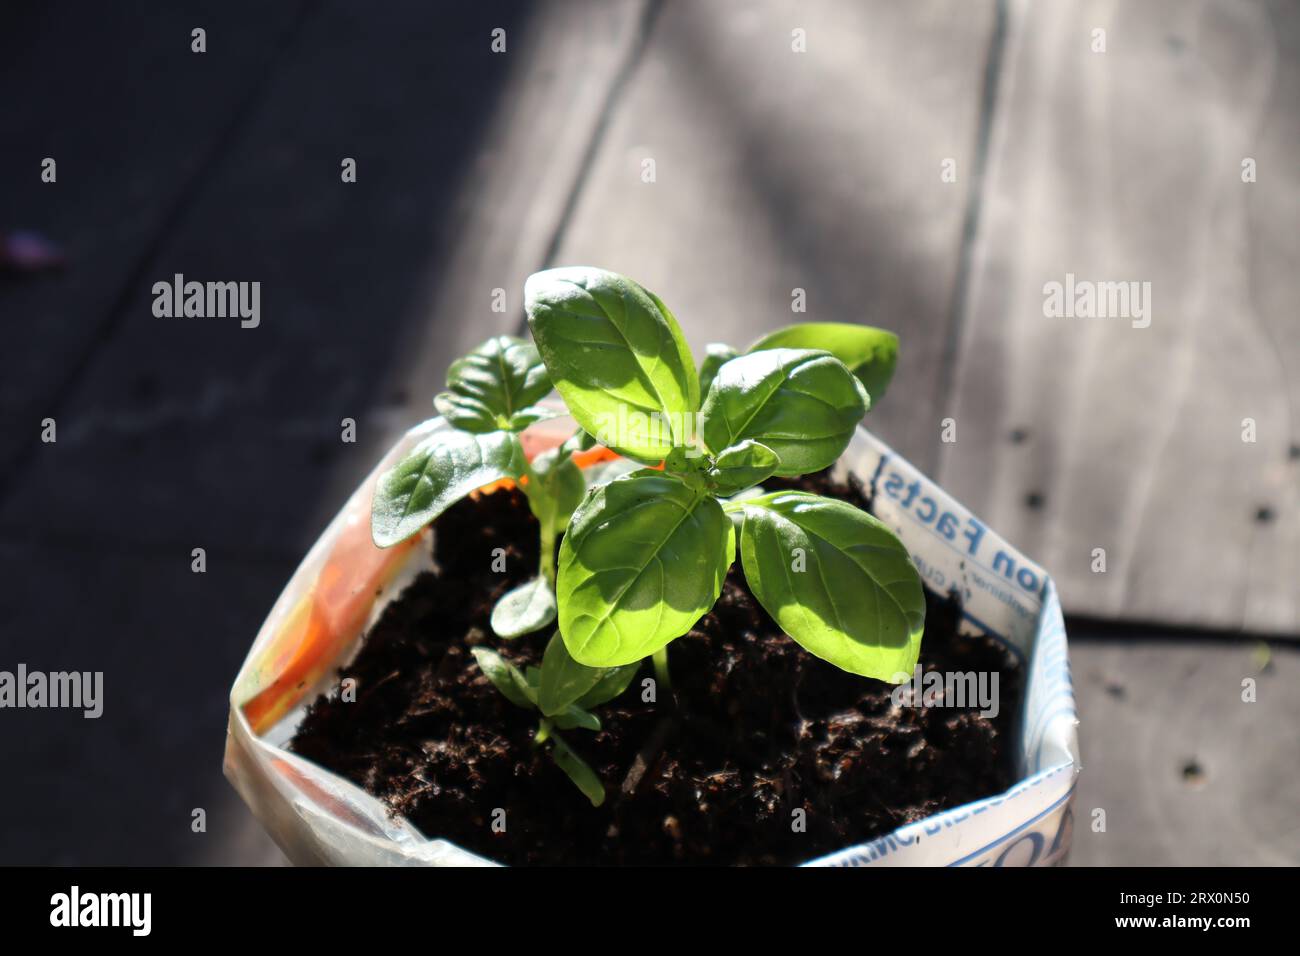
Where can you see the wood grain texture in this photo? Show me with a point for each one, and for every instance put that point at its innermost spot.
(175, 434)
(368, 290)
(1186, 771)
(777, 170)
(514, 197)
(128, 160)
(1083, 433)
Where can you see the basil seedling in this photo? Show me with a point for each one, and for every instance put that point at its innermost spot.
(564, 691)
(492, 395)
(645, 556)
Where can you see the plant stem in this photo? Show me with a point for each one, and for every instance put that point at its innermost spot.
(543, 732)
(532, 489)
(547, 560)
(661, 668)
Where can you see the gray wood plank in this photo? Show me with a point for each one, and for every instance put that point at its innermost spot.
(1083, 433)
(777, 170)
(1186, 772)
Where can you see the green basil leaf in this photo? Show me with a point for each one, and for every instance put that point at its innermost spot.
(438, 472)
(492, 384)
(800, 403)
(577, 718)
(742, 466)
(582, 775)
(564, 680)
(716, 355)
(617, 356)
(644, 558)
(562, 489)
(612, 683)
(525, 609)
(836, 580)
(505, 677)
(687, 460)
(603, 472)
(531, 415)
(870, 353)
(578, 441)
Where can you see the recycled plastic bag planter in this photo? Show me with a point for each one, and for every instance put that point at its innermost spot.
(318, 817)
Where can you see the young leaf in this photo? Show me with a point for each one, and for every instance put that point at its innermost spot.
(505, 677)
(577, 718)
(744, 494)
(686, 460)
(617, 356)
(495, 387)
(583, 776)
(801, 404)
(614, 681)
(603, 472)
(716, 355)
(742, 466)
(522, 610)
(438, 472)
(573, 716)
(870, 354)
(562, 489)
(531, 415)
(837, 580)
(644, 558)
(578, 441)
(564, 680)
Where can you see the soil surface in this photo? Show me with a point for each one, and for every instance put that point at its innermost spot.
(754, 729)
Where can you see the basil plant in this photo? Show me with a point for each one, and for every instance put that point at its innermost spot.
(645, 555)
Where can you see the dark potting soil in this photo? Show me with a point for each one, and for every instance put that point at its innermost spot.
(754, 728)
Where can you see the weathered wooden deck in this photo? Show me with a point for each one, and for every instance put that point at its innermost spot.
(822, 171)
(774, 170)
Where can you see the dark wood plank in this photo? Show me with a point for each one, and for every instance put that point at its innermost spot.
(196, 433)
(120, 789)
(511, 204)
(193, 431)
(134, 121)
